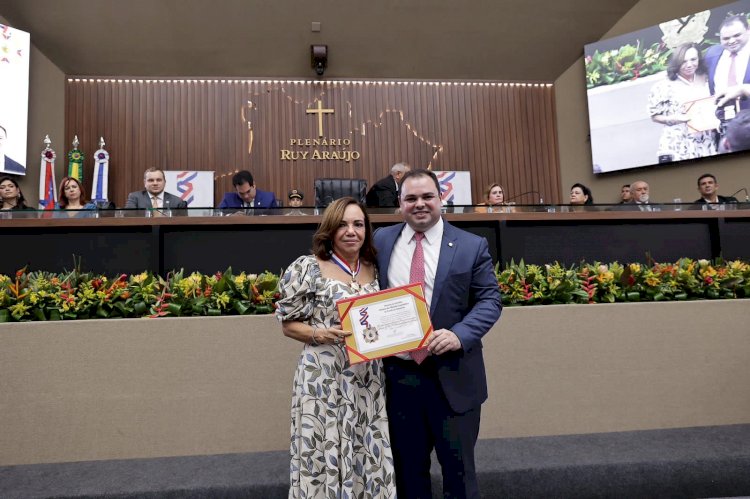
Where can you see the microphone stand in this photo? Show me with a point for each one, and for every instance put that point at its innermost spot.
(747, 196)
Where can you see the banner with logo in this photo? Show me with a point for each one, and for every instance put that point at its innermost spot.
(455, 187)
(100, 183)
(196, 188)
(47, 186)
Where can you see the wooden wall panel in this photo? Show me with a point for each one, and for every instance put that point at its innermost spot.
(500, 132)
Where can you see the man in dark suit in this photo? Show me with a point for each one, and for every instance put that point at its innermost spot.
(727, 63)
(154, 196)
(246, 195)
(709, 189)
(436, 402)
(9, 165)
(639, 198)
(384, 192)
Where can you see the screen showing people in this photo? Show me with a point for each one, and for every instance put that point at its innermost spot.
(671, 92)
(14, 99)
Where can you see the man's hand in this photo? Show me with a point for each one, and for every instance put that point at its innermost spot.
(442, 341)
(732, 93)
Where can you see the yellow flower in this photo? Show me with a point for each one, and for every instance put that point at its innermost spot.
(222, 300)
(19, 309)
(652, 281)
(635, 267)
(708, 271)
(139, 278)
(605, 277)
(4, 278)
(240, 279)
(34, 298)
(738, 265)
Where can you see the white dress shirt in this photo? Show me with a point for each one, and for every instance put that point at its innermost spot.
(399, 269)
(721, 77)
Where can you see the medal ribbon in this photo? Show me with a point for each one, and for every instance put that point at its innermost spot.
(345, 266)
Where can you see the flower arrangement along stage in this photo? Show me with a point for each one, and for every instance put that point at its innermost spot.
(30, 296)
(686, 279)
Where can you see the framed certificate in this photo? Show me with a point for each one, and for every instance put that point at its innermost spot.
(702, 114)
(385, 323)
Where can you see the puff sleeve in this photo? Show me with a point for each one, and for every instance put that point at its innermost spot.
(297, 290)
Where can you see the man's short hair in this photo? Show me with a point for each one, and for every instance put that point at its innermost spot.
(419, 173)
(153, 170)
(738, 132)
(400, 167)
(242, 177)
(706, 175)
(734, 18)
(625, 185)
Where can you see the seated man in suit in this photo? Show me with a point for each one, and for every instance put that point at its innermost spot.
(709, 189)
(639, 198)
(384, 193)
(246, 195)
(7, 164)
(154, 196)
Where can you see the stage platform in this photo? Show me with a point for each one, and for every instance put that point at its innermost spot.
(684, 462)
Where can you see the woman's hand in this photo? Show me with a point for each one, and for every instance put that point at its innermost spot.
(329, 335)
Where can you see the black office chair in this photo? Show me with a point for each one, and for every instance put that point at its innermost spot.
(329, 189)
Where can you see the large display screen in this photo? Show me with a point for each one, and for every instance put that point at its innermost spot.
(14, 99)
(652, 94)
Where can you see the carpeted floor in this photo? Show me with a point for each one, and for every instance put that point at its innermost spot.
(687, 462)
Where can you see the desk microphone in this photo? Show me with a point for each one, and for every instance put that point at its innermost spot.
(541, 199)
(747, 196)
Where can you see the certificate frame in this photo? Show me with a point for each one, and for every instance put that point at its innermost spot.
(702, 114)
(357, 348)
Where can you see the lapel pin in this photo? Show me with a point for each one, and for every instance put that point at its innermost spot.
(450, 245)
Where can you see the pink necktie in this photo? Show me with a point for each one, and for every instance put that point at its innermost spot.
(416, 274)
(732, 77)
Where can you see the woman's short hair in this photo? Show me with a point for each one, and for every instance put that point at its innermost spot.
(586, 192)
(21, 203)
(63, 199)
(678, 57)
(332, 217)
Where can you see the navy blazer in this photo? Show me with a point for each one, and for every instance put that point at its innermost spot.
(465, 300)
(262, 199)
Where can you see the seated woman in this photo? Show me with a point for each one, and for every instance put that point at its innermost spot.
(581, 197)
(72, 197)
(494, 200)
(11, 194)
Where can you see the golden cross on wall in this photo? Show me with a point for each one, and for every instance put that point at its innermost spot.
(320, 111)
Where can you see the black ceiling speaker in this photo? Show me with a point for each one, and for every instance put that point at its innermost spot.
(319, 54)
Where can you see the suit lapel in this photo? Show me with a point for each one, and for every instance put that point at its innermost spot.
(389, 240)
(448, 248)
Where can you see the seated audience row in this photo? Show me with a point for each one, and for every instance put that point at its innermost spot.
(72, 195)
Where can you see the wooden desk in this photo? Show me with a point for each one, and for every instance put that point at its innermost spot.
(256, 243)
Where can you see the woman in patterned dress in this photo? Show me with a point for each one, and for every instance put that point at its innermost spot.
(686, 81)
(340, 444)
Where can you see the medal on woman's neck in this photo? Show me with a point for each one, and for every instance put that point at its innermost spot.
(343, 265)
